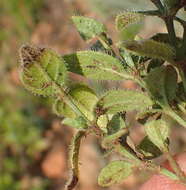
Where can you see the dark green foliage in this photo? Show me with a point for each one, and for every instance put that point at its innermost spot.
(148, 149)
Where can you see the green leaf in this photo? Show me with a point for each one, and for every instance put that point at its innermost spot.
(162, 84)
(127, 18)
(127, 153)
(102, 123)
(43, 71)
(115, 172)
(95, 65)
(148, 149)
(154, 63)
(115, 124)
(129, 32)
(158, 132)
(78, 123)
(150, 48)
(61, 109)
(123, 100)
(83, 97)
(129, 24)
(110, 140)
(88, 27)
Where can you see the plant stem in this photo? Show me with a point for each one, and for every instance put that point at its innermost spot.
(174, 165)
(150, 12)
(181, 107)
(182, 75)
(158, 4)
(171, 31)
(182, 50)
(169, 174)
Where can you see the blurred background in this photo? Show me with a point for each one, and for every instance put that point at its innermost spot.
(33, 143)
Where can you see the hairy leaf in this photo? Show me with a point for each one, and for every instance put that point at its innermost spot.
(158, 132)
(122, 100)
(88, 27)
(78, 123)
(130, 32)
(127, 18)
(110, 140)
(43, 71)
(114, 173)
(95, 65)
(83, 97)
(162, 83)
(129, 24)
(150, 48)
(74, 160)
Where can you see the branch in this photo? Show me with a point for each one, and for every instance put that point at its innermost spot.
(158, 4)
(171, 31)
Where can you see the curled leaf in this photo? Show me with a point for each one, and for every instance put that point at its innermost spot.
(74, 160)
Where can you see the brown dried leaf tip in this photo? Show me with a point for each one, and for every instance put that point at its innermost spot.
(29, 53)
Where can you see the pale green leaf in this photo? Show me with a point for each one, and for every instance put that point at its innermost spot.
(102, 123)
(129, 24)
(83, 97)
(158, 132)
(129, 32)
(78, 123)
(88, 27)
(95, 65)
(43, 71)
(124, 100)
(115, 172)
(126, 19)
